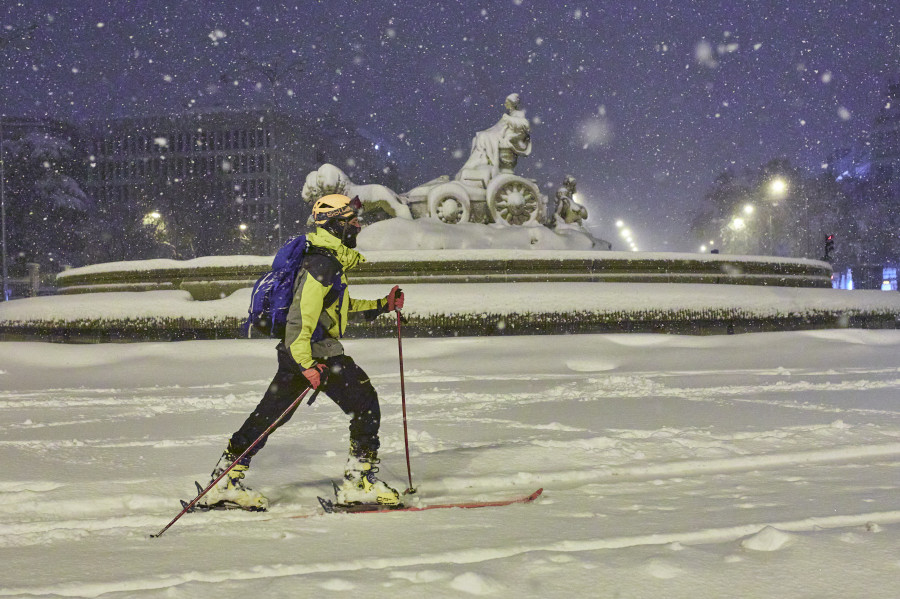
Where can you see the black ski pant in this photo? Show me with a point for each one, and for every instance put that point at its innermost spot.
(345, 383)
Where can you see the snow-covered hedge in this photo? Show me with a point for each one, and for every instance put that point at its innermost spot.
(470, 309)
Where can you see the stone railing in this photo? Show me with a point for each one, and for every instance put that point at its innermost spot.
(208, 280)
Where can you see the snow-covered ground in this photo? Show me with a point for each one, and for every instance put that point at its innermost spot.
(763, 465)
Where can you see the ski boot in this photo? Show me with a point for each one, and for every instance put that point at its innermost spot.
(361, 486)
(230, 492)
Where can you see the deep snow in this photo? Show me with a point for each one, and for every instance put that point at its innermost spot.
(764, 465)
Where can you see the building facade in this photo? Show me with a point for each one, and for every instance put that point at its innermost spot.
(249, 164)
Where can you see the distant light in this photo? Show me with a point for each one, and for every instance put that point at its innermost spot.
(152, 219)
(702, 248)
(737, 224)
(625, 233)
(242, 227)
(620, 224)
(748, 209)
(778, 186)
(376, 146)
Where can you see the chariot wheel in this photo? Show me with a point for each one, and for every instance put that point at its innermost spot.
(449, 203)
(513, 200)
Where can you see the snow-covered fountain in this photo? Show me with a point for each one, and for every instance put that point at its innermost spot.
(482, 252)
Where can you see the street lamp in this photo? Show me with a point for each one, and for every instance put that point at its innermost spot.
(777, 190)
(777, 187)
(3, 213)
(152, 218)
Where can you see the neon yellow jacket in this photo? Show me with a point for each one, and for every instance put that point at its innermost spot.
(308, 308)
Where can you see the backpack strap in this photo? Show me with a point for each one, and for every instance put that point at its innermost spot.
(322, 265)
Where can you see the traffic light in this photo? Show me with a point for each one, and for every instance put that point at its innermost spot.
(829, 247)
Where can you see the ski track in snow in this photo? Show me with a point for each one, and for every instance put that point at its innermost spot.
(767, 452)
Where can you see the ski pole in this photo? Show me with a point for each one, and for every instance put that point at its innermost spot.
(188, 506)
(403, 403)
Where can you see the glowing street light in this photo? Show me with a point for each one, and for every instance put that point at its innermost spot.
(242, 226)
(152, 218)
(778, 187)
(626, 234)
(748, 209)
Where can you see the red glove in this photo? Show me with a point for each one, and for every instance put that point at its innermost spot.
(395, 299)
(314, 375)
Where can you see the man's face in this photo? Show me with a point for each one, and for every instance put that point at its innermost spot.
(351, 229)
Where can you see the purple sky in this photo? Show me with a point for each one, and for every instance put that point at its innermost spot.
(665, 95)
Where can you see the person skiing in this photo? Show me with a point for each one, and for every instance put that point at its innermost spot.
(321, 300)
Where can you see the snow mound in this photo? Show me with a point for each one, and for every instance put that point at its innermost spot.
(662, 569)
(337, 584)
(591, 365)
(474, 584)
(768, 539)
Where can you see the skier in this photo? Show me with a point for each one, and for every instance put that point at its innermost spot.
(320, 298)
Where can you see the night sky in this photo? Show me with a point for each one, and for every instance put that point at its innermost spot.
(643, 102)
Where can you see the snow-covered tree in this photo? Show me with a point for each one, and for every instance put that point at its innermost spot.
(779, 209)
(46, 207)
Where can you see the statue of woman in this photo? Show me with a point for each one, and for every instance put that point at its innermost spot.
(497, 150)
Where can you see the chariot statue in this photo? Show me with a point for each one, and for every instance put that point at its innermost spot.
(486, 189)
(568, 212)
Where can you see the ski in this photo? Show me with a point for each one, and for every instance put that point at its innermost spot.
(331, 507)
(222, 506)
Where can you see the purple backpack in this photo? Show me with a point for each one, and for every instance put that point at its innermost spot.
(274, 291)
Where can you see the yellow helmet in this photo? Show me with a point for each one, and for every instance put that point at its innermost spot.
(334, 206)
